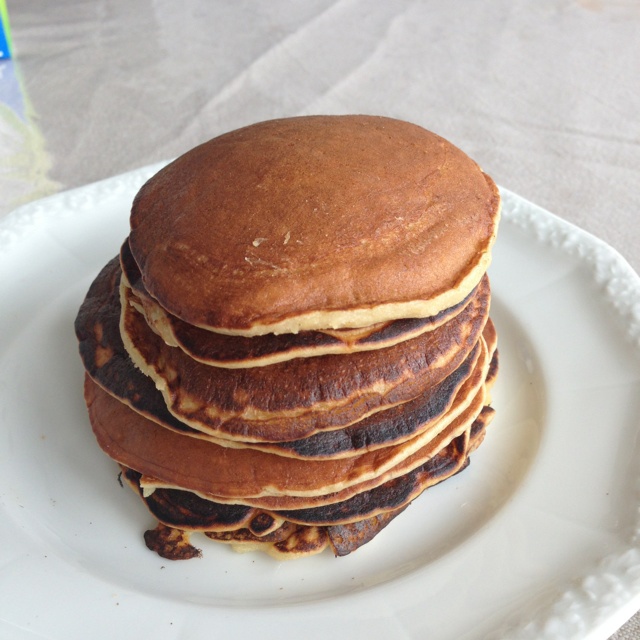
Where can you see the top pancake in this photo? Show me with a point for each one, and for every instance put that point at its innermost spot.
(238, 352)
(317, 222)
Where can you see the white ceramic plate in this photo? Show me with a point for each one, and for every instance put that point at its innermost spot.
(538, 538)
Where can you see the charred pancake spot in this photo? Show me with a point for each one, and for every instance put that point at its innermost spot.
(171, 544)
(493, 368)
(262, 524)
(348, 537)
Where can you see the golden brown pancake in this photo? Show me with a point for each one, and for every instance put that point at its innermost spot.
(248, 476)
(393, 460)
(185, 510)
(315, 222)
(108, 364)
(347, 504)
(233, 352)
(295, 399)
(428, 412)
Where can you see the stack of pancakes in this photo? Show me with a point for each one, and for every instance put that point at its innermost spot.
(295, 341)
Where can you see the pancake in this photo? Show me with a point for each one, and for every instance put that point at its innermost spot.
(104, 357)
(388, 496)
(187, 511)
(247, 476)
(108, 364)
(299, 542)
(397, 424)
(322, 507)
(171, 544)
(315, 222)
(286, 539)
(347, 538)
(310, 394)
(288, 542)
(233, 352)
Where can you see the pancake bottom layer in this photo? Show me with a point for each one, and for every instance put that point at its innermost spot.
(181, 513)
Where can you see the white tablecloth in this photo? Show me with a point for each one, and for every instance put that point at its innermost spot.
(545, 94)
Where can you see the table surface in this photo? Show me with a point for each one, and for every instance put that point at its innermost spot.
(545, 94)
